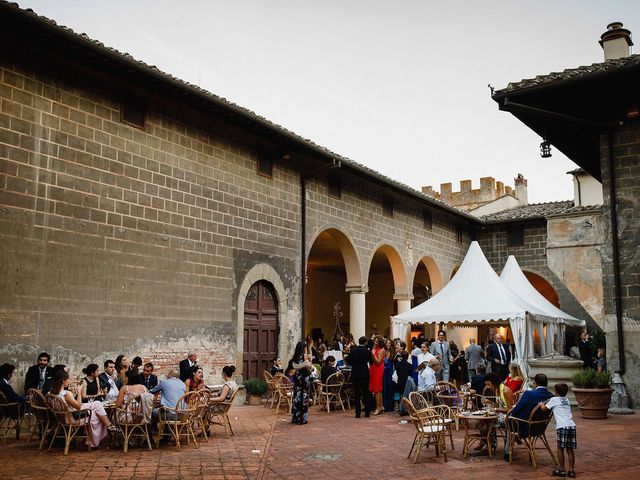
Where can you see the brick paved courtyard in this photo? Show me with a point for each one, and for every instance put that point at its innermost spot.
(332, 445)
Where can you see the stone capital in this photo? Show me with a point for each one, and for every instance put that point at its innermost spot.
(356, 289)
(403, 296)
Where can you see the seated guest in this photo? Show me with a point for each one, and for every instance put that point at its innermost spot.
(109, 376)
(38, 374)
(477, 383)
(147, 377)
(290, 373)
(196, 381)
(328, 369)
(92, 384)
(229, 386)
(515, 378)
(121, 368)
(427, 375)
(99, 423)
(136, 364)
(133, 388)
(6, 372)
(276, 367)
(186, 366)
(56, 368)
(171, 389)
(505, 396)
(530, 400)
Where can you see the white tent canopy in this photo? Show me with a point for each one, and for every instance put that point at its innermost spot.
(477, 295)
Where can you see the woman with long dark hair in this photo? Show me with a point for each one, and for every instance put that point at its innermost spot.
(387, 377)
(196, 380)
(376, 371)
(301, 363)
(122, 365)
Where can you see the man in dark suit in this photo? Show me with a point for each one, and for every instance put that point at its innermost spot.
(109, 377)
(14, 411)
(499, 357)
(149, 380)
(586, 355)
(186, 366)
(359, 358)
(38, 374)
(530, 399)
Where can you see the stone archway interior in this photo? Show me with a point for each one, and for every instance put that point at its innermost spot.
(260, 341)
(380, 305)
(544, 287)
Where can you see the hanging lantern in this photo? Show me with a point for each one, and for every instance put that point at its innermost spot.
(545, 149)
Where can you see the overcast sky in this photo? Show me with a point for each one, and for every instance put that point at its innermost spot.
(400, 86)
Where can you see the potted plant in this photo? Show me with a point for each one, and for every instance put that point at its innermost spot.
(593, 392)
(255, 388)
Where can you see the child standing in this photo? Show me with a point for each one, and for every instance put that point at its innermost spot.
(565, 429)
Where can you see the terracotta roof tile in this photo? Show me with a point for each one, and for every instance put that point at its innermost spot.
(529, 212)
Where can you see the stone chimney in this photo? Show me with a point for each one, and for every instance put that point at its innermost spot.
(521, 189)
(616, 41)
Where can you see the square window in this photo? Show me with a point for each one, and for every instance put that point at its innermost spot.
(265, 165)
(459, 234)
(334, 184)
(515, 237)
(387, 207)
(133, 112)
(427, 218)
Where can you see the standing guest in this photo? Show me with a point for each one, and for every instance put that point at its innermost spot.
(276, 367)
(171, 389)
(312, 350)
(92, 385)
(530, 399)
(387, 376)
(458, 373)
(585, 351)
(499, 357)
(229, 385)
(47, 385)
(359, 358)
(473, 356)
(37, 375)
(403, 371)
(601, 363)
(376, 372)
(565, 429)
(147, 378)
(187, 365)
(109, 376)
(136, 364)
(196, 381)
(440, 349)
(516, 378)
(427, 375)
(99, 422)
(122, 366)
(17, 410)
(328, 369)
(301, 363)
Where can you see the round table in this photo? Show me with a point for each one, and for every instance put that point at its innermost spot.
(477, 427)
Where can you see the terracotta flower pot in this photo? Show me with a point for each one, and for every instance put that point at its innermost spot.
(593, 402)
(255, 399)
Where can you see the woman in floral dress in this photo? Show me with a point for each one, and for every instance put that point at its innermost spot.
(301, 363)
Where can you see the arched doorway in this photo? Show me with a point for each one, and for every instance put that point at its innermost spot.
(260, 340)
(543, 287)
(427, 281)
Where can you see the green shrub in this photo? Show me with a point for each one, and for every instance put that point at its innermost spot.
(255, 386)
(590, 378)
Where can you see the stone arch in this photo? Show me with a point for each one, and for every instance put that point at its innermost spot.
(435, 274)
(261, 271)
(398, 270)
(543, 286)
(347, 248)
(454, 270)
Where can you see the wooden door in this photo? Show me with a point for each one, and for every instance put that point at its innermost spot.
(260, 345)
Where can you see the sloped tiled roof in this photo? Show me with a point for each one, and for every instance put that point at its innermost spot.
(573, 73)
(529, 212)
(238, 110)
(580, 209)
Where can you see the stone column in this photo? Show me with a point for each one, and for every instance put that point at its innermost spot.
(357, 310)
(403, 301)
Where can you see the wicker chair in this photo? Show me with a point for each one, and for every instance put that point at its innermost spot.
(218, 414)
(331, 392)
(285, 393)
(419, 401)
(130, 418)
(430, 430)
(529, 432)
(45, 420)
(11, 417)
(179, 420)
(68, 423)
(202, 406)
(272, 392)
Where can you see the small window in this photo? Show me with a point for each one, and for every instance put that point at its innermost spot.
(427, 218)
(265, 165)
(133, 112)
(515, 237)
(334, 184)
(459, 234)
(387, 207)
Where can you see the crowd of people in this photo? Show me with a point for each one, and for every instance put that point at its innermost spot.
(119, 382)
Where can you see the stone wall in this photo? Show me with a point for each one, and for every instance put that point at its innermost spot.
(626, 169)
